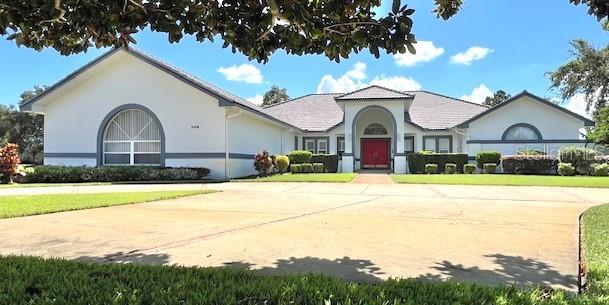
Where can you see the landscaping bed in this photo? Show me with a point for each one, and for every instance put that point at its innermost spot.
(28, 280)
(25, 205)
(326, 177)
(505, 179)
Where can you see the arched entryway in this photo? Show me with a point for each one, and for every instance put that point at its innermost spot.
(374, 138)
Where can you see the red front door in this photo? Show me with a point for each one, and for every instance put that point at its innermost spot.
(375, 153)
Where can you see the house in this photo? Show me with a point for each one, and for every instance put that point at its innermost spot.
(127, 108)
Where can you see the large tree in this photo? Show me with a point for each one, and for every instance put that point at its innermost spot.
(600, 133)
(587, 74)
(22, 128)
(275, 95)
(498, 97)
(334, 28)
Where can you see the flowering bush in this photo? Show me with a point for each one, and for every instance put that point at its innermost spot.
(263, 163)
(9, 162)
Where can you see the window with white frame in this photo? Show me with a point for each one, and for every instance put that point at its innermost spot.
(310, 145)
(322, 146)
(340, 145)
(409, 144)
(522, 133)
(132, 137)
(375, 130)
(438, 144)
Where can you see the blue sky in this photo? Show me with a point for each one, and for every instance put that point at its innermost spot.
(512, 44)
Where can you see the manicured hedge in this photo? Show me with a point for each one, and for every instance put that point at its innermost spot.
(35, 281)
(417, 161)
(529, 164)
(75, 174)
(300, 156)
(580, 157)
(330, 162)
(483, 157)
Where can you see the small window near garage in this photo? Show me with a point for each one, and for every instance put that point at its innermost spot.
(409, 145)
(438, 144)
(322, 147)
(340, 146)
(310, 145)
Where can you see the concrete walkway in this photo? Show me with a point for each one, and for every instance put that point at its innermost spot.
(373, 178)
(363, 232)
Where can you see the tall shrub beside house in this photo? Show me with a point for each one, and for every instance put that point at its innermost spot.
(330, 162)
(417, 161)
(263, 163)
(300, 156)
(484, 157)
(9, 162)
(580, 157)
(530, 164)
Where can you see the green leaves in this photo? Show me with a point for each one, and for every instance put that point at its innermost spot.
(255, 28)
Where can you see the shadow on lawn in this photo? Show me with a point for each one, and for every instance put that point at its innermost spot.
(359, 270)
(134, 257)
(511, 269)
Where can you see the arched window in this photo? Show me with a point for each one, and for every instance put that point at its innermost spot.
(375, 130)
(521, 132)
(132, 137)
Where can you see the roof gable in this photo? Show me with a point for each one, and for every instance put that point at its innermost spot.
(535, 98)
(373, 92)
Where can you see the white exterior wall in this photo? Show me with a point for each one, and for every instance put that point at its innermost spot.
(249, 135)
(72, 120)
(552, 124)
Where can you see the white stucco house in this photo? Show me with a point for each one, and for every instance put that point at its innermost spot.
(127, 108)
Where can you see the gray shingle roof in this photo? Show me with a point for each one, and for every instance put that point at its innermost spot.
(372, 93)
(438, 112)
(431, 111)
(313, 112)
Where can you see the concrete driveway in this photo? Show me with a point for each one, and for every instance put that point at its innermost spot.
(363, 232)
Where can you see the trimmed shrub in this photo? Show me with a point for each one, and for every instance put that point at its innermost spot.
(600, 169)
(307, 168)
(318, 168)
(469, 168)
(417, 161)
(9, 162)
(295, 168)
(263, 163)
(330, 162)
(300, 156)
(490, 168)
(450, 168)
(484, 157)
(67, 174)
(566, 169)
(580, 157)
(431, 168)
(530, 152)
(529, 164)
(282, 162)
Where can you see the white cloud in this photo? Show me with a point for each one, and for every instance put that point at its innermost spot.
(470, 55)
(255, 100)
(355, 79)
(577, 104)
(243, 73)
(426, 51)
(478, 95)
(400, 83)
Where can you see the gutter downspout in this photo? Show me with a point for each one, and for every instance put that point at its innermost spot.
(226, 148)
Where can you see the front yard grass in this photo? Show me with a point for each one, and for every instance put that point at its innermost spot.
(25, 205)
(19, 185)
(596, 250)
(327, 177)
(503, 179)
(28, 280)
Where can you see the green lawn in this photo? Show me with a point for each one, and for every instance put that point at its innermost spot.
(596, 238)
(25, 205)
(337, 177)
(27, 280)
(18, 185)
(502, 179)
